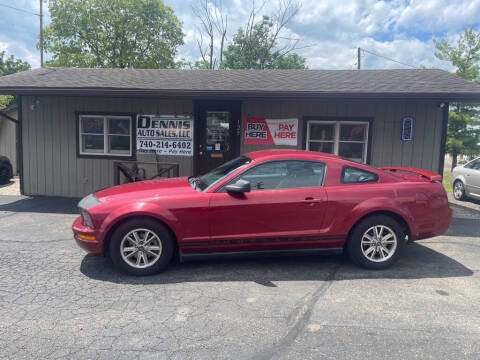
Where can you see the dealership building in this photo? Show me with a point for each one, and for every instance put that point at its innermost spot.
(80, 130)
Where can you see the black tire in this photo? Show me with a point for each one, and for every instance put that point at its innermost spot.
(155, 227)
(461, 186)
(354, 245)
(5, 174)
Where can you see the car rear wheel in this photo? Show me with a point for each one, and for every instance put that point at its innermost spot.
(141, 246)
(459, 190)
(5, 174)
(376, 242)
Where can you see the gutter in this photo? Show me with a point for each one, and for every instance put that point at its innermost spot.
(443, 141)
(240, 94)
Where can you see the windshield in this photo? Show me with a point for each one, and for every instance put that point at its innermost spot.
(205, 181)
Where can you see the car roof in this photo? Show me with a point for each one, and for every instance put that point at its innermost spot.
(292, 154)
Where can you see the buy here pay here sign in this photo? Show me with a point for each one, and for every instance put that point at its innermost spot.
(270, 131)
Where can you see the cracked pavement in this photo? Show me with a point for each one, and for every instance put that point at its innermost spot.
(56, 301)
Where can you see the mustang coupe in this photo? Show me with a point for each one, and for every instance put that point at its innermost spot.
(264, 202)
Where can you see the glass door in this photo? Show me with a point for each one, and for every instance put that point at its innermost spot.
(218, 134)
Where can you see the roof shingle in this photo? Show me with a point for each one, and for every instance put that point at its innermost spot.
(401, 83)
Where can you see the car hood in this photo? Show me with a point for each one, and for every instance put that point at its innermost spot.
(144, 189)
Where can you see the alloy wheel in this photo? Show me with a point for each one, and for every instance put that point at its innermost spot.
(458, 190)
(141, 248)
(379, 243)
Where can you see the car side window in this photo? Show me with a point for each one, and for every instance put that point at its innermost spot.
(469, 165)
(287, 174)
(352, 175)
(475, 165)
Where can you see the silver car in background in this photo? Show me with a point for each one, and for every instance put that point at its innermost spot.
(466, 180)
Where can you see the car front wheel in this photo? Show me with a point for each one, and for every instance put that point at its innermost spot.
(141, 246)
(458, 190)
(376, 242)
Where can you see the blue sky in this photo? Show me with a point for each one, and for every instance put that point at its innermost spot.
(331, 30)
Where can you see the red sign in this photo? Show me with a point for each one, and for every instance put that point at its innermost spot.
(262, 131)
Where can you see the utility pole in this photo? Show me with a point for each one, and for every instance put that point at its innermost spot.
(41, 33)
(359, 56)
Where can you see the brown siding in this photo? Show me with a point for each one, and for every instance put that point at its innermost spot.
(387, 148)
(51, 166)
(8, 138)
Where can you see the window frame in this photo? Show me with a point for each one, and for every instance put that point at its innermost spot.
(342, 175)
(338, 121)
(469, 164)
(105, 155)
(221, 188)
(227, 143)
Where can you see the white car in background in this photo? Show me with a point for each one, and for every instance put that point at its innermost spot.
(466, 180)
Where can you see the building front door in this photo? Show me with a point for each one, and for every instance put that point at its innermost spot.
(217, 131)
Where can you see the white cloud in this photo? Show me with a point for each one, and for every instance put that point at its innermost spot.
(332, 29)
(398, 29)
(19, 30)
(439, 15)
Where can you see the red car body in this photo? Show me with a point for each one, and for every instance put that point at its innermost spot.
(278, 219)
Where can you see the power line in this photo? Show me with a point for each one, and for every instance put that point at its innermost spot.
(41, 24)
(21, 10)
(387, 58)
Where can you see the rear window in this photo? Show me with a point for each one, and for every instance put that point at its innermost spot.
(353, 175)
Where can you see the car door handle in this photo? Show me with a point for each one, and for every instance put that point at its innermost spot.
(311, 200)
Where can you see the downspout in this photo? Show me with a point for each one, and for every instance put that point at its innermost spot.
(20, 144)
(443, 140)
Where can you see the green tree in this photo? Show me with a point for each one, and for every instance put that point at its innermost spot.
(10, 65)
(463, 124)
(462, 135)
(114, 34)
(257, 48)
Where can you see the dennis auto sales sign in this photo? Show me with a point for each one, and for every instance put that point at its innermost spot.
(165, 135)
(271, 131)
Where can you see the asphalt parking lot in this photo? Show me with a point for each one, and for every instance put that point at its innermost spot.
(58, 302)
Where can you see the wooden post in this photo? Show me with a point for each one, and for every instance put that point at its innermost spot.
(41, 33)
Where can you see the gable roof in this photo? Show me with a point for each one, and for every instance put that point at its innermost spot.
(400, 83)
(9, 113)
(9, 108)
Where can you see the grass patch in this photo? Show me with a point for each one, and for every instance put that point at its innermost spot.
(447, 180)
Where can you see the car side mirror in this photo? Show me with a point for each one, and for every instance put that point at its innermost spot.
(240, 187)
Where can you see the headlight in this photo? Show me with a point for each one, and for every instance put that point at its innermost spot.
(84, 204)
(87, 220)
(88, 201)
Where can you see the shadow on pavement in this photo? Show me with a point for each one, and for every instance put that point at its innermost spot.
(472, 200)
(39, 204)
(417, 262)
(465, 222)
(7, 184)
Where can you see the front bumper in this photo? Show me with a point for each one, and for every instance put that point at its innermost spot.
(92, 245)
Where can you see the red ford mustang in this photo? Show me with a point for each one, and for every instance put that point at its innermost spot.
(266, 201)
